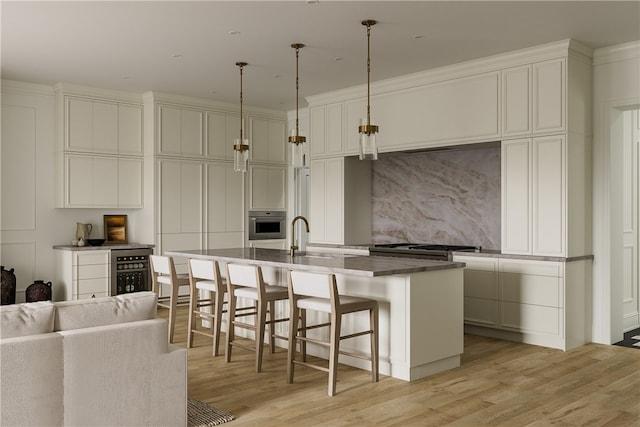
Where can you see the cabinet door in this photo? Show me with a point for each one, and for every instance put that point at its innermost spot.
(130, 183)
(191, 133)
(224, 198)
(335, 129)
(549, 194)
(130, 140)
(105, 127)
(91, 181)
(334, 208)
(317, 130)
(516, 190)
(268, 187)
(549, 96)
(105, 182)
(516, 101)
(317, 200)
(170, 124)
(217, 136)
(78, 124)
(180, 196)
(268, 140)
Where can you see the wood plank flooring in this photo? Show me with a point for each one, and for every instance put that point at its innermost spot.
(499, 383)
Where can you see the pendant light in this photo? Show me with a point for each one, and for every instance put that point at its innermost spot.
(368, 144)
(296, 138)
(241, 145)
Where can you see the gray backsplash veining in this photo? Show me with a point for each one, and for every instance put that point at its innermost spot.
(445, 197)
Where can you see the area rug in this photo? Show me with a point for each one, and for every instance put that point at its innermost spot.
(201, 414)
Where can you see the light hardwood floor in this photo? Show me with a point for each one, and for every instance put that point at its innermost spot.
(499, 383)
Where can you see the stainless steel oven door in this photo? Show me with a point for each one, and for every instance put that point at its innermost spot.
(266, 225)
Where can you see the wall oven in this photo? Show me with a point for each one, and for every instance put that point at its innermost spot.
(264, 225)
(130, 270)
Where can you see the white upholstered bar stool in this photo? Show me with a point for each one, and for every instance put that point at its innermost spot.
(319, 292)
(163, 272)
(246, 281)
(205, 276)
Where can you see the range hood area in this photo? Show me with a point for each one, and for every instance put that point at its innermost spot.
(449, 195)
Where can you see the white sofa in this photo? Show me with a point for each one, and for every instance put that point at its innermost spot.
(95, 362)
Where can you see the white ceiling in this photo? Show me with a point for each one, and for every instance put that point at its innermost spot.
(185, 48)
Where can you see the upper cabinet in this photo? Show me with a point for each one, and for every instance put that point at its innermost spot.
(181, 131)
(268, 140)
(99, 159)
(102, 127)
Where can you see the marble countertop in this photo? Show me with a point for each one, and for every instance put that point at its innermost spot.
(104, 247)
(358, 265)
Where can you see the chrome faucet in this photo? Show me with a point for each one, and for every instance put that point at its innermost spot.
(293, 234)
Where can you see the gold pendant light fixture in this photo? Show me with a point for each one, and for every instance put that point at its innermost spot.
(296, 138)
(368, 143)
(241, 145)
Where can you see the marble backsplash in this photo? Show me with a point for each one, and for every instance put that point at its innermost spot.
(446, 197)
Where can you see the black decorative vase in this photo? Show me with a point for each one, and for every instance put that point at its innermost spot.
(7, 287)
(38, 291)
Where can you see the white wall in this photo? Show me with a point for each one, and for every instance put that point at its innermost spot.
(616, 80)
(29, 223)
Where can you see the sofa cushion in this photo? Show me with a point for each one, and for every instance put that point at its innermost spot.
(17, 320)
(105, 311)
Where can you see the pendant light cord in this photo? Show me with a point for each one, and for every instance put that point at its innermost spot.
(368, 74)
(241, 135)
(297, 86)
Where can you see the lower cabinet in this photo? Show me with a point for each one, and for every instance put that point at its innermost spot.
(81, 274)
(536, 302)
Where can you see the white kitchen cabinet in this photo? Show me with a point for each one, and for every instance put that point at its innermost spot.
(224, 198)
(99, 154)
(268, 187)
(549, 96)
(81, 274)
(102, 181)
(181, 131)
(181, 196)
(327, 130)
(516, 101)
(222, 130)
(481, 290)
(268, 142)
(531, 301)
(534, 196)
(340, 201)
(103, 127)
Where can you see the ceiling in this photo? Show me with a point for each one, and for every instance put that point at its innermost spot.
(188, 48)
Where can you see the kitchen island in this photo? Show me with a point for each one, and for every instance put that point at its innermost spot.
(421, 303)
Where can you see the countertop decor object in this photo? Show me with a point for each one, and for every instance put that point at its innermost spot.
(115, 229)
(96, 242)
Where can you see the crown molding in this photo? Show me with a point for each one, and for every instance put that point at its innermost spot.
(620, 52)
(14, 86)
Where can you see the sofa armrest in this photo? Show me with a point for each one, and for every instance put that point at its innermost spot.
(31, 379)
(124, 374)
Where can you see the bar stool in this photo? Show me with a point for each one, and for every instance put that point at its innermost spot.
(163, 272)
(204, 275)
(319, 292)
(246, 281)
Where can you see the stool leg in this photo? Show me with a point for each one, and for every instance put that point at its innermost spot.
(272, 326)
(193, 305)
(373, 318)
(260, 326)
(218, 301)
(172, 310)
(334, 348)
(293, 333)
(230, 333)
(303, 325)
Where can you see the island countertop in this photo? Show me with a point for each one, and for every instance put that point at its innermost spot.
(370, 266)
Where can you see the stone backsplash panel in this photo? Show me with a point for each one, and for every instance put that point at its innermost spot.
(445, 197)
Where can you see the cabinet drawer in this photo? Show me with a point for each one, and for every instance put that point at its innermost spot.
(101, 257)
(91, 295)
(92, 286)
(528, 289)
(480, 311)
(532, 318)
(91, 271)
(480, 284)
(539, 268)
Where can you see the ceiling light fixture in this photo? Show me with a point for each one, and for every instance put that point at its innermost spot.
(368, 144)
(296, 138)
(241, 145)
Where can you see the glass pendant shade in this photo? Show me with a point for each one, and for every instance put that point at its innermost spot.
(368, 140)
(240, 155)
